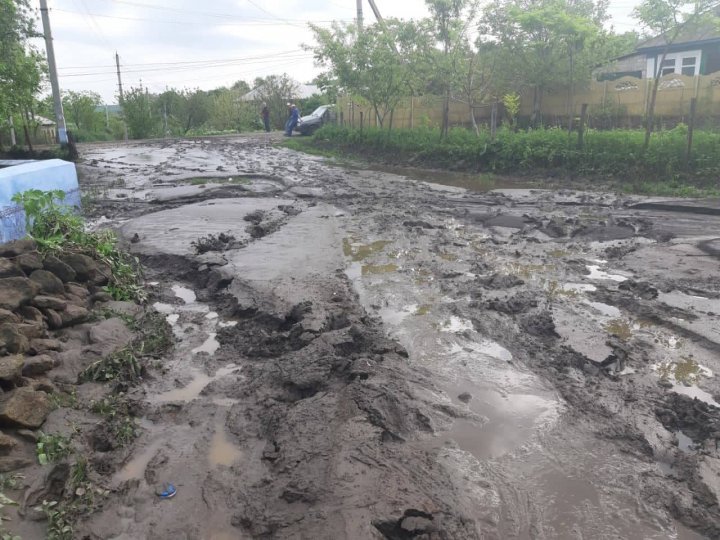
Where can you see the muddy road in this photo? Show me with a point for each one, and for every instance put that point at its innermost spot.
(362, 354)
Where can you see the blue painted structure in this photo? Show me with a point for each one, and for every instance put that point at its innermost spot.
(19, 176)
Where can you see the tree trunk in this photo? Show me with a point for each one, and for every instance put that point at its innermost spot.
(28, 141)
(446, 115)
(650, 116)
(390, 124)
(535, 118)
(474, 121)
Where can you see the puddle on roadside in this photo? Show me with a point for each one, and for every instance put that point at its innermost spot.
(456, 325)
(394, 316)
(222, 451)
(579, 287)
(685, 443)
(373, 269)
(605, 309)
(165, 309)
(696, 392)
(186, 295)
(135, 468)
(210, 346)
(173, 319)
(596, 273)
(195, 387)
(359, 252)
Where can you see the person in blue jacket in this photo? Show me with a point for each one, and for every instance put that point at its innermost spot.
(292, 121)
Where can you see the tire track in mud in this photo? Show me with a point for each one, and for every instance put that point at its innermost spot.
(342, 436)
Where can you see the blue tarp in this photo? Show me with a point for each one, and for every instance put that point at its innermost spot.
(43, 175)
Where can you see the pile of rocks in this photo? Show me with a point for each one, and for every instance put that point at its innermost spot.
(39, 295)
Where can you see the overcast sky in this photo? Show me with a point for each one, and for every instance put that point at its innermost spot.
(191, 44)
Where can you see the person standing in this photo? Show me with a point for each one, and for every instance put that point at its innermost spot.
(265, 113)
(293, 120)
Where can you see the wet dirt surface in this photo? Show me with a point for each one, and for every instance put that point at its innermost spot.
(376, 356)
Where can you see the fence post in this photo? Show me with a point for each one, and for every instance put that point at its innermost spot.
(362, 114)
(691, 128)
(581, 126)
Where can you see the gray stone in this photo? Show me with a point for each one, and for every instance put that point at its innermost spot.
(11, 367)
(12, 340)
(8, 317)
(85, 267)
(59, 268)
(9, 268)
(102, 275)
(28, 434)
(31, 330)
(9, 464)
(77, 290)
(31, 314)
(49, 283)
(38, 365)
(29, 262)
(7, 443)
(111, 332)
(49, 302)
(76, 300)
(73, 315)
(54, 319)
(24, 407)
(38, 346)
(16, 292)
(18, 247)
(102, 297)
(415, 525)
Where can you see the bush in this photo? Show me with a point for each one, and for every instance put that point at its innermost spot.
(616, 154)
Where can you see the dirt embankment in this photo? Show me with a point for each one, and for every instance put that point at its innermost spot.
(361, 355)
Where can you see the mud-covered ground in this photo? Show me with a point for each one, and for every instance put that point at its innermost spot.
(365, 355)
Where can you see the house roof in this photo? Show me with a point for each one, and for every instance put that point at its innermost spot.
(303, 91)
(692, 35)
(44, 121)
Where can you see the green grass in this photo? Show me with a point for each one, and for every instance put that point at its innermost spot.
(608, 157)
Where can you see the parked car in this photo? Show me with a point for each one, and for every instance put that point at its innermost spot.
(324, 114)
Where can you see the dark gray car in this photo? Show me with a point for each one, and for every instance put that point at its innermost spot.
(324, 114)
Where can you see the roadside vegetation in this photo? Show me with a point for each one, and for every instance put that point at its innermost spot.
(57, 228)
(606, 157)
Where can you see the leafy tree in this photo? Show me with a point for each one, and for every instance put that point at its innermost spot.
(228, 111)
(671, 19)
(276, 91)
(80, 108)
(369, 65)
(547, 44)
(21, 66)
(137, 108)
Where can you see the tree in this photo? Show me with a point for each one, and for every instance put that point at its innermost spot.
(21, 66)
(228, 111)
(370, 65)
(671, 19)
(547, 44)
(137, 108)
(276, 91)
(80, 108)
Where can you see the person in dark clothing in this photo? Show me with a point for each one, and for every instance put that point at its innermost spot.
(292, 121)
(265, 113)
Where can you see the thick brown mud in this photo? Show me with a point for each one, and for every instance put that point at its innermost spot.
(361, 354)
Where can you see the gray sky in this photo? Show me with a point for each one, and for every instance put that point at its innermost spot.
(191, 44)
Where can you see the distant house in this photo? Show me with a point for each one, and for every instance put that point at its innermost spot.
(44, 130)
(695, 52)
(303, 91)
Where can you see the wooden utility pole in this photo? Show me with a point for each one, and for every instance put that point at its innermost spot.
(121, 95)
(360, 15)
(52, 69)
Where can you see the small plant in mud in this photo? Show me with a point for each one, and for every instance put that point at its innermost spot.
(7, 482)
(122, 365)
(59, 524)
(64, 400)
(555, 290)
(620, 328)
(211, 242)
(120, 423)
(686, 371)
(51, 448)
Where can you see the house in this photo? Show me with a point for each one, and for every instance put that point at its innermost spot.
(696, 51)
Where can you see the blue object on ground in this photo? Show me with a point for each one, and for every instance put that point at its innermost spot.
(168, 492)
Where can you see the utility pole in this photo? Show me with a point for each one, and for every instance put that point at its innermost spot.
(52, 68)
(376, 11)
(360, 15)
(121, 96)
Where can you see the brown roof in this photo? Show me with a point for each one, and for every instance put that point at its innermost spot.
(691, 34)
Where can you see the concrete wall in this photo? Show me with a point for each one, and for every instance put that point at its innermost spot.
(43, 175)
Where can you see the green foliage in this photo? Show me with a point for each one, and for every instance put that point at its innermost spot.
(80, 109)
(115, 410)
(511, 101)
(606, 155)
(122, 365)
(59, 522)
(55, 227)
(51, 448)
(276, 91)
(137, 106)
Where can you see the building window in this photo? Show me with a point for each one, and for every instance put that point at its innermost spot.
(688, 65)
(668, 67)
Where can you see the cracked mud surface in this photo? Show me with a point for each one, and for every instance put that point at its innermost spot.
(364, 355)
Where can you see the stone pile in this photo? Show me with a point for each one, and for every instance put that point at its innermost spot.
(39, 295)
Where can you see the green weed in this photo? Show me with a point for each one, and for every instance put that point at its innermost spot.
(122, 365)
(59, 522)
(51, 448)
